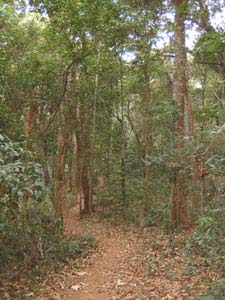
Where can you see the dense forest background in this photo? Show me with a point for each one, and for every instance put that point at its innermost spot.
(103, 104)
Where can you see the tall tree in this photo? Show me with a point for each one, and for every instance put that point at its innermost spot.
(179, 213)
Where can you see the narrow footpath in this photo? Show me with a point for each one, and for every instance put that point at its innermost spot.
(127, 264)
(109, 272)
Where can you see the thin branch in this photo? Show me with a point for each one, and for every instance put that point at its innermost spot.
(61, 98)
(209, 63)
(218, 98)
(136, 134)
(116, 117)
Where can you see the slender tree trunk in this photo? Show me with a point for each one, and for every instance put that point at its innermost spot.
(43, 155)
(64, 142)
(123, 142)
(60, 177)
(79, 157)
(92, 139)
(138, 141)
(179, 213)
(83, 154)
(31, 112)
(75, 173)
(147, 134)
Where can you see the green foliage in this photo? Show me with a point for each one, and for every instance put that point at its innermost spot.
(41, 256)
(216, 291)
(60, 249)
(21, 214)
(207, 239)
(31, 241)
(158, 215)
(20, 177)
(22, 233)
(211, 45)
(28, 231)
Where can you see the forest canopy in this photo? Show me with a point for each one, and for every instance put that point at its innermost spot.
(104, 104)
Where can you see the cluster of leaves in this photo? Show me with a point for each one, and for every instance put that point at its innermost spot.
(20, 189)
(62, 248)
(30, 238)
(207, 240)
(216, 291)
(20, 177)
(56, 251)
(28, 231)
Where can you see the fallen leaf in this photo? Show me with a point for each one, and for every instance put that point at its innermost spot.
(75, 287)
(120, 282)
(29, 295)
(81, 273)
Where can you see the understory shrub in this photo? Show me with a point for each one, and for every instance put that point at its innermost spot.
(29, 234)
(216, 291)
(208, 238)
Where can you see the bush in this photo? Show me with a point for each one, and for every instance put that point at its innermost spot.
(29, 234)
(216, 291)
(208, 238)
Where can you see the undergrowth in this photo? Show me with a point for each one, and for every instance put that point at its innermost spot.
(53, 251)
(32, 243)
(208, 238)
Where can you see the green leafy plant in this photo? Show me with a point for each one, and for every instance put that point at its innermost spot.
(216, 291)
(207, 240)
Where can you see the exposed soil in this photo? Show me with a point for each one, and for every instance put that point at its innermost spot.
(128, 264)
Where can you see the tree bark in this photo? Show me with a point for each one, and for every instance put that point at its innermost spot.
(146, 133)
(28, 121)
(179, 212)
(138, 141)
(83, 155)
(123, 142)
(75, 173)
(59, 194)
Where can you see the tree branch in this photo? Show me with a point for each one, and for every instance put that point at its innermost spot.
(61, 98)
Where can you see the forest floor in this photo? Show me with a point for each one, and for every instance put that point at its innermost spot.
(128, 264)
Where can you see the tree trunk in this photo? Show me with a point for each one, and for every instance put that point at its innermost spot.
(83, 155)
(43, 155)
(147, 134)
(179, 214)
(123, 142)
(75, 173)
(59, 194)
(138, 141)
(30, 114)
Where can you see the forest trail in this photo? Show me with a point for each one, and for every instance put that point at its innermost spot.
(127, 264)
(106, 274)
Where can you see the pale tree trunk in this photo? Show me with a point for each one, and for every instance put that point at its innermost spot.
(31, 126)
(123, 142)
(63, 143)
(75, 173)
(146, 134)
(92, 138)
(29, 118)
(179, 212)
(86, 161)
(59, 193)
(138, 141)
(79, 157)
(83, 155)
(43, 155)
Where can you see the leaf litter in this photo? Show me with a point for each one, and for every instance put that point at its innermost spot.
(127, 264)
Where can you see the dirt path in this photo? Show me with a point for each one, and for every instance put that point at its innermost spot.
(126, 265)
(105, 274)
